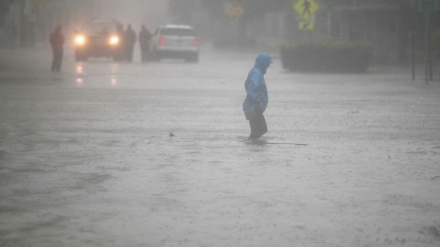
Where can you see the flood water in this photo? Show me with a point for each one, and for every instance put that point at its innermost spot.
(156, 154)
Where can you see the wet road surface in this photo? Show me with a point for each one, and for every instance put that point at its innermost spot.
(108, 154)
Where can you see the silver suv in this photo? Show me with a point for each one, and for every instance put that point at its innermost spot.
(177, 42)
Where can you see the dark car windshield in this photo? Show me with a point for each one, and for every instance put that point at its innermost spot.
(178, 32)
(100, 27)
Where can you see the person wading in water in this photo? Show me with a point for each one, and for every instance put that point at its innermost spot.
(257, 97)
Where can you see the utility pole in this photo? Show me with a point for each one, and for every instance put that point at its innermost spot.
(413, 10)
(428, 7)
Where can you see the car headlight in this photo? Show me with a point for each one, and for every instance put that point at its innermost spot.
(114, 40)
(80, 40)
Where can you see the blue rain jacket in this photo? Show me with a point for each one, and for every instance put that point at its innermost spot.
(256, 86)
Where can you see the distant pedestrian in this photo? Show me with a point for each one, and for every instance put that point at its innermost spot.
(144, 43)
(257, 97)
(120, 53)
(57, 42)
(129, 40)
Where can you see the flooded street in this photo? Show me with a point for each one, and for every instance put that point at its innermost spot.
(156, 154)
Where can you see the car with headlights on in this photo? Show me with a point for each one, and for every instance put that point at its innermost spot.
(175, 42)
(98, 38)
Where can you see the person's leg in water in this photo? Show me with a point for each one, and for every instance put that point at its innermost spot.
(258, 126)
(54, 60)
(59, 60)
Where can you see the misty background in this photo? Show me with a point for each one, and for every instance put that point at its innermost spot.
(259, 24)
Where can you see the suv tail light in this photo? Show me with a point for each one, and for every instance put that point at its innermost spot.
(161, 41)
(196, 42)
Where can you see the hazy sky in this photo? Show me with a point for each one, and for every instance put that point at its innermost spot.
(137, 12)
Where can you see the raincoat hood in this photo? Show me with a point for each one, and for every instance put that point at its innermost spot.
(263, 62)
(255, 85)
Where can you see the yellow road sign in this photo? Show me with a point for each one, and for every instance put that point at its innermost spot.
(234, 10)
(305, 8)
(306, 24)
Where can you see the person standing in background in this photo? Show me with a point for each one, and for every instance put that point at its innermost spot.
(144, 43)
(57, 42)
(130, 40)
(120, 54)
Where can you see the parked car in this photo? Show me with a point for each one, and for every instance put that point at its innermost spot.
(97, 38)
(176, 42)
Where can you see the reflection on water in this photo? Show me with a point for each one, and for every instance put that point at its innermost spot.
(79, 82)
(81, 73)
(79, 69)
(114, 68)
